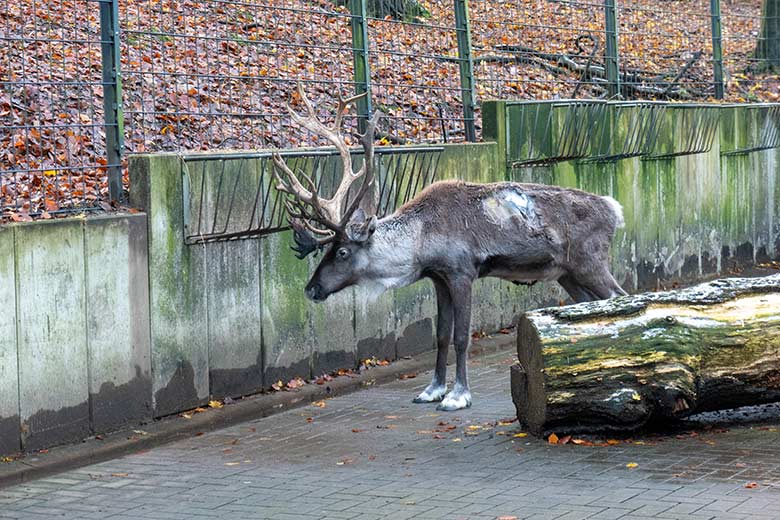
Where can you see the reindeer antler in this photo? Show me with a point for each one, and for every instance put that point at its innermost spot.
(327, 213)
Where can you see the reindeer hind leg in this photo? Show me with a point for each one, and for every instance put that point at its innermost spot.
(460, 395)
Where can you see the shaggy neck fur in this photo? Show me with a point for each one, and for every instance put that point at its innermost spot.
(392, 260)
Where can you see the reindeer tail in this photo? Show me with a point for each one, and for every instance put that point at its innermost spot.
(617, 209)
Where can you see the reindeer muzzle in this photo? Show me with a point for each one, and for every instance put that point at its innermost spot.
(315, 293)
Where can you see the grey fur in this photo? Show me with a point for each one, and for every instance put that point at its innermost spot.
(455, 232)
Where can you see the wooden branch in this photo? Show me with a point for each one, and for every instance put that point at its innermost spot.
(638, 82)
(622, 363)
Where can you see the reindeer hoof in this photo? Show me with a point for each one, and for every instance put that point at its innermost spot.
(431, 394)
(455, 401)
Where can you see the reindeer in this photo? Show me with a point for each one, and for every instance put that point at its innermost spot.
(452, 233)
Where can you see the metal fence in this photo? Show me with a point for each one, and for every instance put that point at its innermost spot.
(217, 74)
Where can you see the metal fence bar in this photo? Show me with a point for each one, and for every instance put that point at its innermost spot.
(112, 95)
(717, 49)
(362, 69)
(611, 55)
(463, 28)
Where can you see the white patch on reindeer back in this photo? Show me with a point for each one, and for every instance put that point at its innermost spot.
(508, 204)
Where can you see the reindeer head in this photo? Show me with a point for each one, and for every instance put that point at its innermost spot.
(332, 224)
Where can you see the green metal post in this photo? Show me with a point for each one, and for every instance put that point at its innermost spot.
(717, 49)
(360, 56)
(112, 94)
(466, 61)
(611, 54)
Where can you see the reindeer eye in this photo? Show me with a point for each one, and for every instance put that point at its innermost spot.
(342, 253)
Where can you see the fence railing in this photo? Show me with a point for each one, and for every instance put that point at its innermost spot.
(83, 83)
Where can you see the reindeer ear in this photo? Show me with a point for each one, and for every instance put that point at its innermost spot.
(360, 227)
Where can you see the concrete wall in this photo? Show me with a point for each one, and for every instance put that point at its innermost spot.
(74, 331)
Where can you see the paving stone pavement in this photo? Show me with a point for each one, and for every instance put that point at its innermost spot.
(375, 455)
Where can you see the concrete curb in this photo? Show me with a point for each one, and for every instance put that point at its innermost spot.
(169, 429)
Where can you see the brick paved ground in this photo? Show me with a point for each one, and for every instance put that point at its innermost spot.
(375, 455)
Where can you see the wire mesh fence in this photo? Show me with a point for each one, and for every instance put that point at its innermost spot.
(52, 125)
(527, 49)
(204, 75)
(217, 74)
(415, 72)
(665, 50)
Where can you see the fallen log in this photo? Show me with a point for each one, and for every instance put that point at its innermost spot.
(620, 364)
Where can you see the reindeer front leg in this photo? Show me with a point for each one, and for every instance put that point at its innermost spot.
(460, 396)
(438, 387)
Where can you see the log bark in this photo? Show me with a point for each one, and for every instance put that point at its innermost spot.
(619, 364)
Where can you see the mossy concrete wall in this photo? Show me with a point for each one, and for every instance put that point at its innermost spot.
(74, 331)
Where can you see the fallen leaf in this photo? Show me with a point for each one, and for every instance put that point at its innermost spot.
(552, 439)
(581, 442)
(232, 463)
(295, 383)
(507, 518)
(323, 379)
(457, 439)
(356, 430)
(215, 404)
(751, 485)
(632, 465)
(319, 404)
(523, 434)
(636, 397)
(564, 440)
(613, 442)
(119, 474)
(411, 375)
